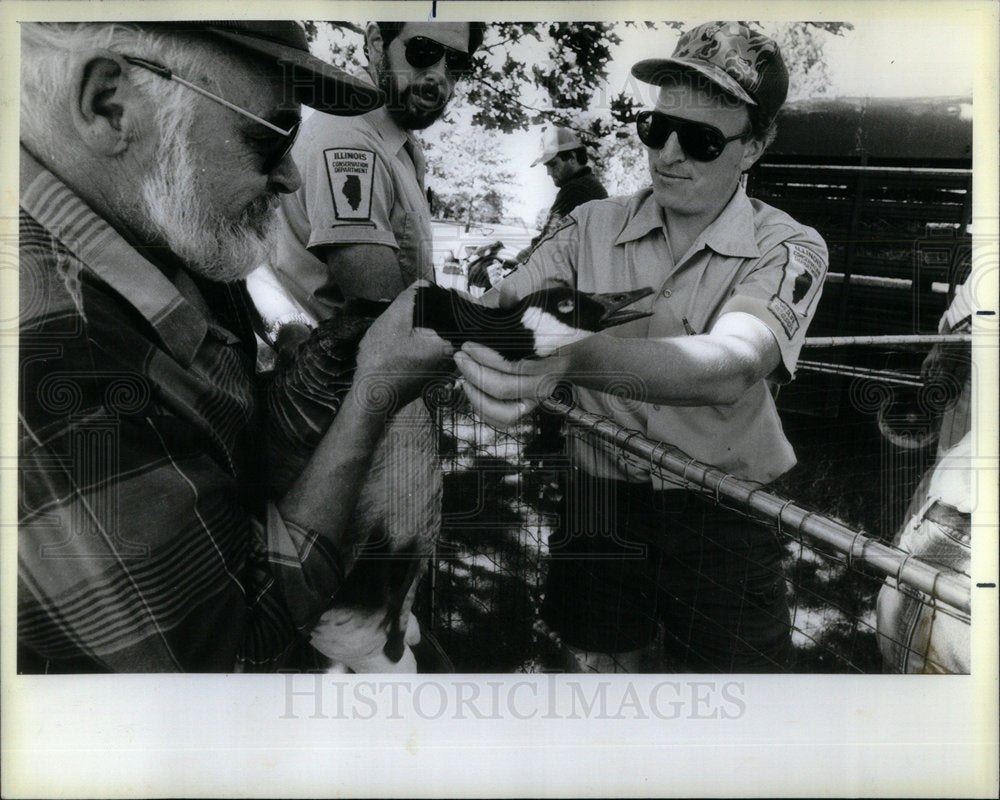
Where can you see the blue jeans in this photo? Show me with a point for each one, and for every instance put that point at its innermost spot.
(625, 560)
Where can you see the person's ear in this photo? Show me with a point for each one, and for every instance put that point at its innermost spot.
(100, 102)
(373, 43)
(752, 150)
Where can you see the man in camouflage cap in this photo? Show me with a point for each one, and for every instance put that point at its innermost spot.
(737, 283)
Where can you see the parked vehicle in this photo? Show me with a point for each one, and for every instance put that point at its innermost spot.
(455, 246)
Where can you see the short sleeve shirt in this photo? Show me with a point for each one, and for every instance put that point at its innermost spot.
(362, 183)
(753, 259)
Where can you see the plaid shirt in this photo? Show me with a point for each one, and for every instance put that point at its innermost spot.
(146, 541)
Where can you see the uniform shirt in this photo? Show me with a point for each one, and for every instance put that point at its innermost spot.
(753, 258)
(362, 183)
(146, 543)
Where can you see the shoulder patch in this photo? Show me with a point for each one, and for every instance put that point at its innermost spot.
(351, 173)
(785, 315)
(558, 224)
(802, 280)
(561, 224)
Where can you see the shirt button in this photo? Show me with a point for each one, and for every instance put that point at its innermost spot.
(667, 293)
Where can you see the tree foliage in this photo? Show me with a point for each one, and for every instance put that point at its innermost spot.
(468, 176)
(516, 86)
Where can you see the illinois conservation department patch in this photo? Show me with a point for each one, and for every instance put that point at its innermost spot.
(799, 287)
(352, 174)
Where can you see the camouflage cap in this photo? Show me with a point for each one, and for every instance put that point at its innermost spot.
(742, 62)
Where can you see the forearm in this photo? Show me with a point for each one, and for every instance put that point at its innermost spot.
(393, 365)
(323, 497)
(689, 371)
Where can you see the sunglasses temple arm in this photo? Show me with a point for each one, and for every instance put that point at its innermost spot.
(164, 72)
(235, 108)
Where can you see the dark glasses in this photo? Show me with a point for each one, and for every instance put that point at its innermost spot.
(698, 141)
(276, 147)
(422, 52)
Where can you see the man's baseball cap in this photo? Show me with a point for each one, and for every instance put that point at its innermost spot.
(556, 140)
(315, 83)
(744, 63)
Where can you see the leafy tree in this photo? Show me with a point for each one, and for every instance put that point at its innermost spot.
(340, 43)
(534, 72)
(525, 73)
(469, 176)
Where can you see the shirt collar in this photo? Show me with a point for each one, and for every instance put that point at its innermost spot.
(179, 325)
(732, 233)
(384, 125)
(643, 216)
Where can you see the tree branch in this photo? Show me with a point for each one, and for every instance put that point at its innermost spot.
(551, 113)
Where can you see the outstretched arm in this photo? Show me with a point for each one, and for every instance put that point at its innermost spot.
(712, 369)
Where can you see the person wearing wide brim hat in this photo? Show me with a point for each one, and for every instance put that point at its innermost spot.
(736, 284)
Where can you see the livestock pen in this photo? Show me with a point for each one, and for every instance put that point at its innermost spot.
(888, 185)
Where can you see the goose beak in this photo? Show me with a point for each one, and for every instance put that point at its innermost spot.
(614, 302)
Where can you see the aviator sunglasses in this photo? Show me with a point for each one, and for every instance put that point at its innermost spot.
(698, 141)
(422, 52)
(273, 153)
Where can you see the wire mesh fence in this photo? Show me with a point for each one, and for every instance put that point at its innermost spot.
(835, 515)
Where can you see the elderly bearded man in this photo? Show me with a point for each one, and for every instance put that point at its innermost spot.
(737, 283)
(152, 160)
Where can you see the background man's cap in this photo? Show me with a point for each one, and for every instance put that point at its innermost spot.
(315, 83)
(556, 140)
(744, 63)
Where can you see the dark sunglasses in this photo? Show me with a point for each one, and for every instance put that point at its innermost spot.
(422, 52)
(273, 153)
(698, 141)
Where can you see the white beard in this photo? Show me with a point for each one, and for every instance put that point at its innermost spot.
(217, 249)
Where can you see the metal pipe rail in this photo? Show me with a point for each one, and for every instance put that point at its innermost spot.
(948, 586)
(871, 280)
(881, 375)
(885, 341)
(821, 168)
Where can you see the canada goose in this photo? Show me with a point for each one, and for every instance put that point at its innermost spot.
(314, 373)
